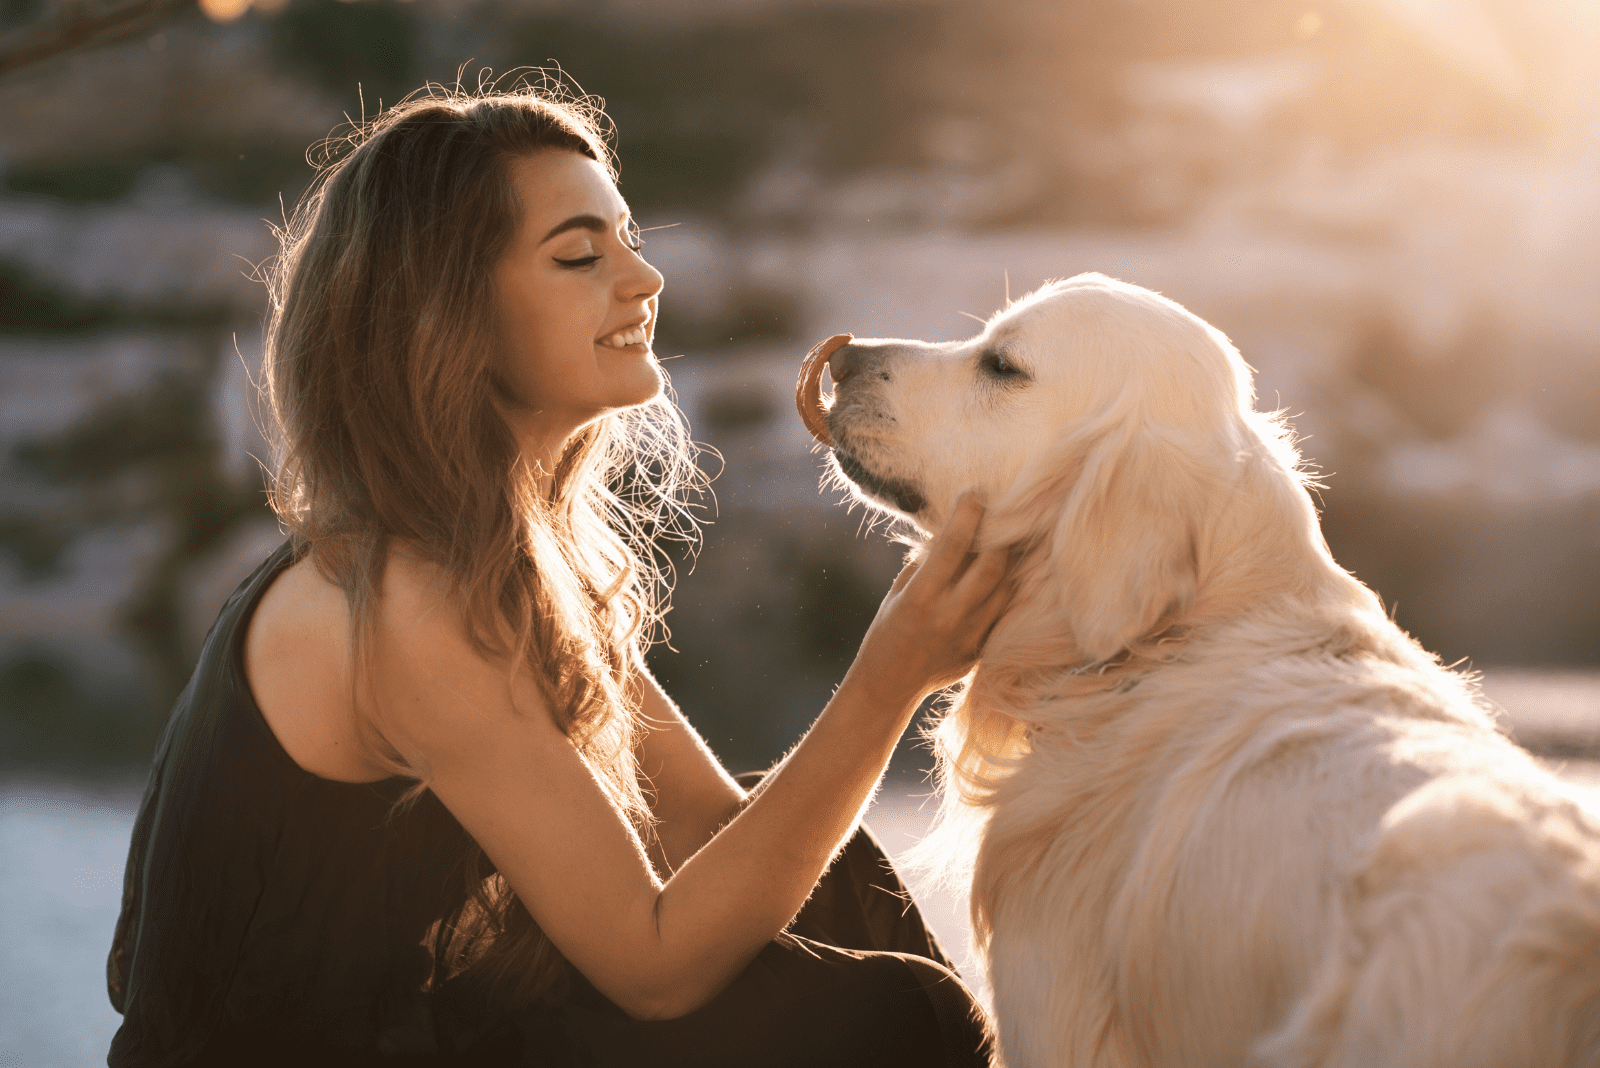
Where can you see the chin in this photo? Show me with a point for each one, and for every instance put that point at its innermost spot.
(651, 381)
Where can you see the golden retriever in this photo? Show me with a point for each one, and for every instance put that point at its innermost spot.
(1216, 808)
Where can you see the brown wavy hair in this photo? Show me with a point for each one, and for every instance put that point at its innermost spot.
(379, 379)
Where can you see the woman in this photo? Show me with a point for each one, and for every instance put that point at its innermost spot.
(422, 800)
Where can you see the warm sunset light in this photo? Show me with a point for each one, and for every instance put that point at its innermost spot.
(1462, 32)
(1307, 25)
(1390, 209)
(224, 10)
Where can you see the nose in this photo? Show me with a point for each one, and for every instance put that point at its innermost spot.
(842, 364)
(847, 360)
(643, 282)
(854, 358)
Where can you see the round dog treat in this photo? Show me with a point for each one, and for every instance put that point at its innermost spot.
(808, 391)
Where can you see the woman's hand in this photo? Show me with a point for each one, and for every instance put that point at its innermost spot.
(504, 769)
(933, 622)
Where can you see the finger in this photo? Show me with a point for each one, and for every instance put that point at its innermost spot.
(995, 605)
(906, 574)
(989, 612)
(986, 573)
(950, 546)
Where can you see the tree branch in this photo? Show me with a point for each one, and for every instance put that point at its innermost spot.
(73, 24)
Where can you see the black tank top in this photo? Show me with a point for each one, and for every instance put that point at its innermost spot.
(267, 908)
(272, 918)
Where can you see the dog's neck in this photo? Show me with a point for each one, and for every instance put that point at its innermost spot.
(1033, 656)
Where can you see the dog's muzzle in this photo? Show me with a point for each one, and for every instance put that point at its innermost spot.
(895, 492)
(814, 410)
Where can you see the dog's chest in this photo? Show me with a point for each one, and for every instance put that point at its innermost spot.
(1125, 878)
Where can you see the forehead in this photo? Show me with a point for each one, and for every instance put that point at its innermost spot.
(1013, 324)
(555, 184)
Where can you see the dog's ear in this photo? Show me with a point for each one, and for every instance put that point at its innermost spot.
(1125, 542)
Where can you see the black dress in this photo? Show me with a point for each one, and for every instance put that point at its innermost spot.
(270, 916)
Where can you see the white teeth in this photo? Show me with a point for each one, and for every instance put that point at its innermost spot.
(634, 335)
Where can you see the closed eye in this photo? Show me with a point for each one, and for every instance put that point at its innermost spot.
(998, 367)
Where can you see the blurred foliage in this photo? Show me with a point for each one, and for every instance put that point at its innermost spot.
(1448, 573)
(31, 305)
(702, 105)
(804, 589)
(739, 90)
(836, 606)
(19, 12)
(738, 409)
(152, 454)
(165, 424)
(1376, 83)
(106, 178)
(49, 720)
(711, 110)
(1441, 393)
(751, 315)
(35, 544)
(359, 51)
(247, 171)
(28, 305)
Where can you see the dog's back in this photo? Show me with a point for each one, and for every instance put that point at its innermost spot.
(1325, 862)
(1470, 935)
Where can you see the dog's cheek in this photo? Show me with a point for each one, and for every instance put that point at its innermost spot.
(991, 456)
(934, 458)
(944, 475)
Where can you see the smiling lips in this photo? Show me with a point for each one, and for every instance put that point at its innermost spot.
(633, 335)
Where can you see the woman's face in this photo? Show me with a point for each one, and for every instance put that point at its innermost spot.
(576, 302)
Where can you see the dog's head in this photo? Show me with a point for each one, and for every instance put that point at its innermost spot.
(1110, 431)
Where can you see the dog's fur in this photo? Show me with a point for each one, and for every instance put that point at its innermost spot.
(1216, 808)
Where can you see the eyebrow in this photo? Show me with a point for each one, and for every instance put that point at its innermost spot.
(578, 222)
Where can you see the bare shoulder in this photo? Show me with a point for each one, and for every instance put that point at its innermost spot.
(297, 660)
(427, 690)
(416, 601)
(435, 693)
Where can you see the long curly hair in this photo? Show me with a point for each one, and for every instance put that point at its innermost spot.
(379, 379)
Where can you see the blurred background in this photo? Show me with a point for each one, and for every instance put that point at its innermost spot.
(1391, 206)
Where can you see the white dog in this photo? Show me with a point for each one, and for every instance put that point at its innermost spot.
(1216, 808)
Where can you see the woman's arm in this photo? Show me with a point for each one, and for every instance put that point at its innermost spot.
(495, 757)
(691, 793)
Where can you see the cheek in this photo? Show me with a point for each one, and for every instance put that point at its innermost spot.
(921, 400)
(517, 319)
(945, 432)
(535, 368)
(547, 311)
(983, 443)
(524, 358)
(997, 449)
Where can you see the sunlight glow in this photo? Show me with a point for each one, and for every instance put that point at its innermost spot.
(1463, 33)
(224, 10)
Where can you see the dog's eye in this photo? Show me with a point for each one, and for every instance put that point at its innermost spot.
(996, 365)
